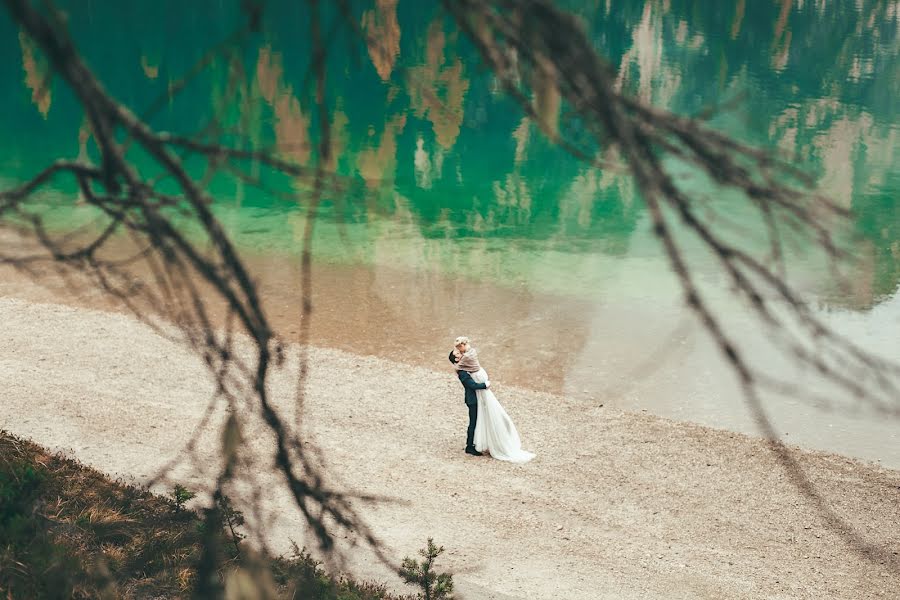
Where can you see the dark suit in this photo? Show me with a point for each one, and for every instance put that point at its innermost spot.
(471, 385)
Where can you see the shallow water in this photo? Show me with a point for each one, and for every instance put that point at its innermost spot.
(455, 215)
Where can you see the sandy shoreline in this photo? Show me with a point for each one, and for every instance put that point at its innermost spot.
(628, 351)
(616, 505)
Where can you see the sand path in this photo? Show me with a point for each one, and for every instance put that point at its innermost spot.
(616, 505)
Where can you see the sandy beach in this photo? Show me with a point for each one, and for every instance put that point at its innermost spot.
(616, 504)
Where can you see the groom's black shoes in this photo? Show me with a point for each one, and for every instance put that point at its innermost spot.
(471, 450)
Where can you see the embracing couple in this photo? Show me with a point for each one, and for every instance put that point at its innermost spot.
(490, 428)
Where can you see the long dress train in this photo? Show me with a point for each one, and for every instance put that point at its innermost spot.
(494, 430)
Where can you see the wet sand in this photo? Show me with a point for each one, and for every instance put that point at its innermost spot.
(410, 317)
(616, 504)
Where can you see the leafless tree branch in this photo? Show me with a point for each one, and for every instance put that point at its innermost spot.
(552, 53)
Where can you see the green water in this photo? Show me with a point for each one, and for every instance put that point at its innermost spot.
(441, 174)
(431, 152)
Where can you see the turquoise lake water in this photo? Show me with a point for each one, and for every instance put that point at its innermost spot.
(442, 176)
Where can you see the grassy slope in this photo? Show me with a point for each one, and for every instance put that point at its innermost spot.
(67, 531)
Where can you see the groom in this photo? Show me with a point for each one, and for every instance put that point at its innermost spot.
(471, 402)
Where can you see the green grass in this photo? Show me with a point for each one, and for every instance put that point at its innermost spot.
(67, 531)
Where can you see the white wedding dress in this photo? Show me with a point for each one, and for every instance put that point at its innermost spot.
(494, 430)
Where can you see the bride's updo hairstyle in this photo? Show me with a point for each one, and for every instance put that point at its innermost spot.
(460, 340)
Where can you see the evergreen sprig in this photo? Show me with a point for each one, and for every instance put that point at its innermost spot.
(435, 586)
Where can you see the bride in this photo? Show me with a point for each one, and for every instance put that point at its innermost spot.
(494, 430)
